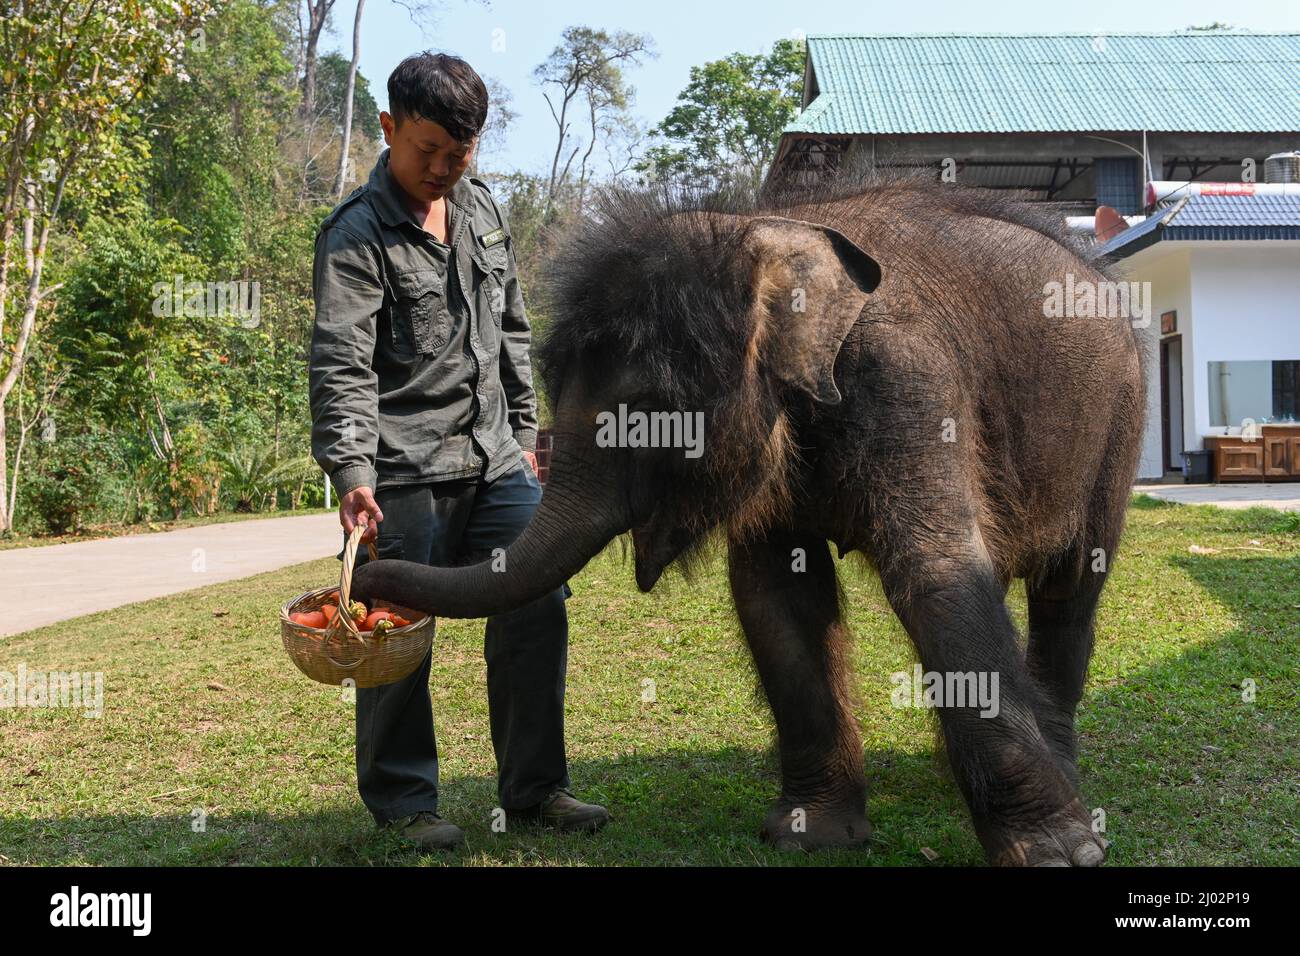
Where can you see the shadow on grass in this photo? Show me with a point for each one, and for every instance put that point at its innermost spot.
(1188, 769)
(671, 808)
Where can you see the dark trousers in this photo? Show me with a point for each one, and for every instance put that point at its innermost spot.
(455, 523)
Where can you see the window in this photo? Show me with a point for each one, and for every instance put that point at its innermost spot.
(1285, 375)
(1262, 391)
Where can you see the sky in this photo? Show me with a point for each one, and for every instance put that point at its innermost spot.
(507, 39)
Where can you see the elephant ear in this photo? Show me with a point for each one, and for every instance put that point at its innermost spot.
(810, 283)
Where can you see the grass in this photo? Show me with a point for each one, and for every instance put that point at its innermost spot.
(1187, 772)
(117, 529)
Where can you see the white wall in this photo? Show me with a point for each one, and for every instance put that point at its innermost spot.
(1166, 268)
(1235, 300)
(1247, 301)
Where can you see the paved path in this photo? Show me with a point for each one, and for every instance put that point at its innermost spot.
(1281, 496)
(61, 581)
(47, 584)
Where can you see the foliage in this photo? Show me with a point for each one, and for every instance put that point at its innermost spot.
(204, 186)
(157, 145)
(212, 138)
(68, 479)
(70, 75)
(729, 119)
(122, 353)
(331, 89)
(254, 475)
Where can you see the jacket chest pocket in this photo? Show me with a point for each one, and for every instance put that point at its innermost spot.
(420, 320)
(491, 264)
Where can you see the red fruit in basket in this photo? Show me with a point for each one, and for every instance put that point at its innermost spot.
(329, 610)
(358, 611)
(383, 626)
(374, 617)
(400, 621)
(308, 618)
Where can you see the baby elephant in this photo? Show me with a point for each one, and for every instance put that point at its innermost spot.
(886, 367)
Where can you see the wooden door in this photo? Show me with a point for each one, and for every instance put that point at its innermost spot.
(1276, 457)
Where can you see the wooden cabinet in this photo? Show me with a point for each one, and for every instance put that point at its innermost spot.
(1276, 459)
(1237, 460)
(1273, 456)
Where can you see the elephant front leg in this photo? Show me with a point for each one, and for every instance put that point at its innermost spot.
(787, 600)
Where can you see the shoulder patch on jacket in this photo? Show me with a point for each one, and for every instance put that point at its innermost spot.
(499, 234)
(338, 210)
(487, 194)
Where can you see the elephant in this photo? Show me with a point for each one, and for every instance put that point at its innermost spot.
(876, 368)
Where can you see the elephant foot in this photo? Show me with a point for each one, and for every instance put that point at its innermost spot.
(1063, 838)
(792, 827)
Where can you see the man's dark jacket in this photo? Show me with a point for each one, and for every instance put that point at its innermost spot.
(419, 364)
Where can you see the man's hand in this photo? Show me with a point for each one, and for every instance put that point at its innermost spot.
(358, 506)
(532, 461)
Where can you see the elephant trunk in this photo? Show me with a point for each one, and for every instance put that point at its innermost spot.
(579, 514)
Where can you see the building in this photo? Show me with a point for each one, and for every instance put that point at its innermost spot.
(1084, 121)
(1224, 274)
(1075, 120)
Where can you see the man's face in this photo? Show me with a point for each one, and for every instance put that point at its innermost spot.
(425, 159)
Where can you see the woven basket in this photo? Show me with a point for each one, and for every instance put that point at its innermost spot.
(339, 652)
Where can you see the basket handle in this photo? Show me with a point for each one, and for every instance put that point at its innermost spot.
(346, 665)
(348, 626)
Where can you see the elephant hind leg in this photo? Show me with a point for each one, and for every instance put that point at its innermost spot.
(1025, 809)
(1062, 604)
(788, 601)
(1062, 609)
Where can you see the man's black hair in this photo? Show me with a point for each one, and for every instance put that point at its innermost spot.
(441, 88)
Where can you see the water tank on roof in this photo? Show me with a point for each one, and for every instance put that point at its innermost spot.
(1282, 168)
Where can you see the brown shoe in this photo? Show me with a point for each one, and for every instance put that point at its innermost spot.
(430, 831)
(563, 811)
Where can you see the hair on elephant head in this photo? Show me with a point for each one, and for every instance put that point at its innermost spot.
(676, 306)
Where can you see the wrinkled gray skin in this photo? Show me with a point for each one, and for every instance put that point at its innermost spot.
(922, 411)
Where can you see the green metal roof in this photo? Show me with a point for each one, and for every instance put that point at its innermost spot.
(996, 83)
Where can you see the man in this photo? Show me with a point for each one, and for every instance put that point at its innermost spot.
(423, 415)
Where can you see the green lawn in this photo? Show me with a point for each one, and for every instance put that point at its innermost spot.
(1187, 772)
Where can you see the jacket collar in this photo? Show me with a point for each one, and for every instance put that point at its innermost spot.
(390, 200)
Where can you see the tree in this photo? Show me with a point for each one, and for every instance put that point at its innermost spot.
(213, 141)
(500, 116)
(728, 121)
(587, 66)
(331, 89)
(70, 74)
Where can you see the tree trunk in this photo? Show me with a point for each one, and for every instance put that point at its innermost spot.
(6, 518)
(318, 12)
(347, 104)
